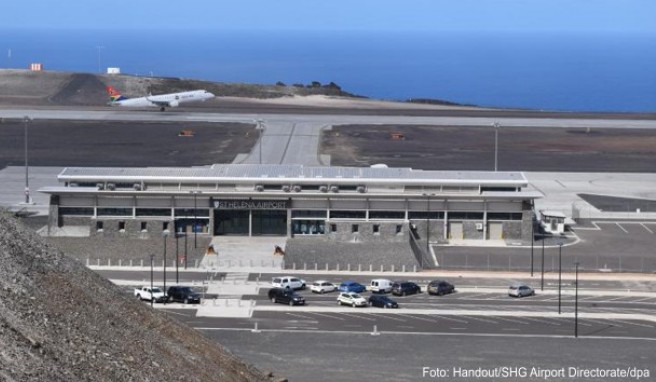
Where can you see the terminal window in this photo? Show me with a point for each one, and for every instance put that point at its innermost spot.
(121, 226)
(144, 226)
(354, 228)
(376, 228)
(99, 226)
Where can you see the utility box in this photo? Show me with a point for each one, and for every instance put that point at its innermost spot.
(113, 70)
(552, 222)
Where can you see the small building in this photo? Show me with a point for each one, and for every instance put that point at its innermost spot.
(113, 70)
(552, 222)
(343, 203)
(36, 67)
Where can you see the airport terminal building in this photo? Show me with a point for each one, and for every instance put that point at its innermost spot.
(344, 203)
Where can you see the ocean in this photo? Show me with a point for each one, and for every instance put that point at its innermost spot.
(592, 71)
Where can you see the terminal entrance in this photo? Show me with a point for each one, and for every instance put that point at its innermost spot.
(240, 222)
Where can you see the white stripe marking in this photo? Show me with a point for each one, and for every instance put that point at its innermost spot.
(647, 228)
(622, 228)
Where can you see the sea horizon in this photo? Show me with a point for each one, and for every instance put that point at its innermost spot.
(567, 71)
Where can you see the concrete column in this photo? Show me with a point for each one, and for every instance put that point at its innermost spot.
(250, 223)
(289, 222)
(485, 220)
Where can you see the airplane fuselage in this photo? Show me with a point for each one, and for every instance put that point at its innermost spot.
(165, 100)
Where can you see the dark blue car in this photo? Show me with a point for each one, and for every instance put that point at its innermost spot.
(382, 302)
(351, 286)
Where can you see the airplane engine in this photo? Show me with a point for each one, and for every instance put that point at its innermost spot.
(174, 104)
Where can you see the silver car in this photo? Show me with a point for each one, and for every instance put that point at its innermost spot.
(520, 290)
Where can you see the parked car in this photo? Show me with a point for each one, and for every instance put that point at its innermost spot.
(404, 288)
(351, 286)
(382, 301)
(286, 296)
(351, 298)
(440, 287)
(520, 290)
(288, 282)
(144, 293)
(380, 286)
(322, 286)
(183, 294)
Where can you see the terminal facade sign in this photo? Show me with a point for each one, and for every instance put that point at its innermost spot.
(249, 204)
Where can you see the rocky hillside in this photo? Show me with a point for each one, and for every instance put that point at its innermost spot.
(23, 87)
(62, 322)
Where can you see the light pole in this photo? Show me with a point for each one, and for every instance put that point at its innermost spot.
(164, 235)
(177, 258)
(542, 280)
(195, 218)
(428, 196)
(576, 302)
(560, 272)
(185, 241)
(152, 258)
(496, 144)
(532, 235)
(259, 128)
(26, 121)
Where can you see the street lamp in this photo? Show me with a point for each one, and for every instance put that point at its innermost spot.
(152, 258)
(185, 241)
(428, 196)
(195, 218)
(532, 234)
(542, 281)
(576, 302)
(560, 271)
(496, 144)
(164, 235)
(177, 258)
(259, 128)
(26, 121)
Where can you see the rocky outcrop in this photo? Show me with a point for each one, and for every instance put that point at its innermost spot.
(62, 322)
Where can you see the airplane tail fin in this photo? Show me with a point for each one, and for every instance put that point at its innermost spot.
(114, 95)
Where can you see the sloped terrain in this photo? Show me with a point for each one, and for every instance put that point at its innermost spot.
(62, 322)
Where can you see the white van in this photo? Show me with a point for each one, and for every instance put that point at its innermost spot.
(380, 286)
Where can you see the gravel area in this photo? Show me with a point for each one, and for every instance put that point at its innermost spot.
(59, 321)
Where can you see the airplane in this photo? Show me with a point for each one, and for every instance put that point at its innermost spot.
(162, 101)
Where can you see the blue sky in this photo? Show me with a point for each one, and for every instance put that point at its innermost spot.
(375, 15)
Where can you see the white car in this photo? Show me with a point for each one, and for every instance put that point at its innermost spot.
(351, 298)
(322, 286)
(288, 282)
(520, 290)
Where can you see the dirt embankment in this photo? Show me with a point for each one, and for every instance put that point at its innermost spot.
(23, 87)
(62, 322)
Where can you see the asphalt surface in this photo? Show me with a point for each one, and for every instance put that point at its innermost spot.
(123, 143)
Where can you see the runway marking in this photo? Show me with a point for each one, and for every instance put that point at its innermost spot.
(458, 328)
(558, 181)
(510, 329)
(602, 323)
(647, 228)
(622, 228)
(406, 326)
(644, 299)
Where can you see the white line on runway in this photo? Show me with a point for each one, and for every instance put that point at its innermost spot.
(602, 323)
(622, 228)
(645, 227)
(642, 299)
(510, 329)
(406, 326)
(458, 328)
